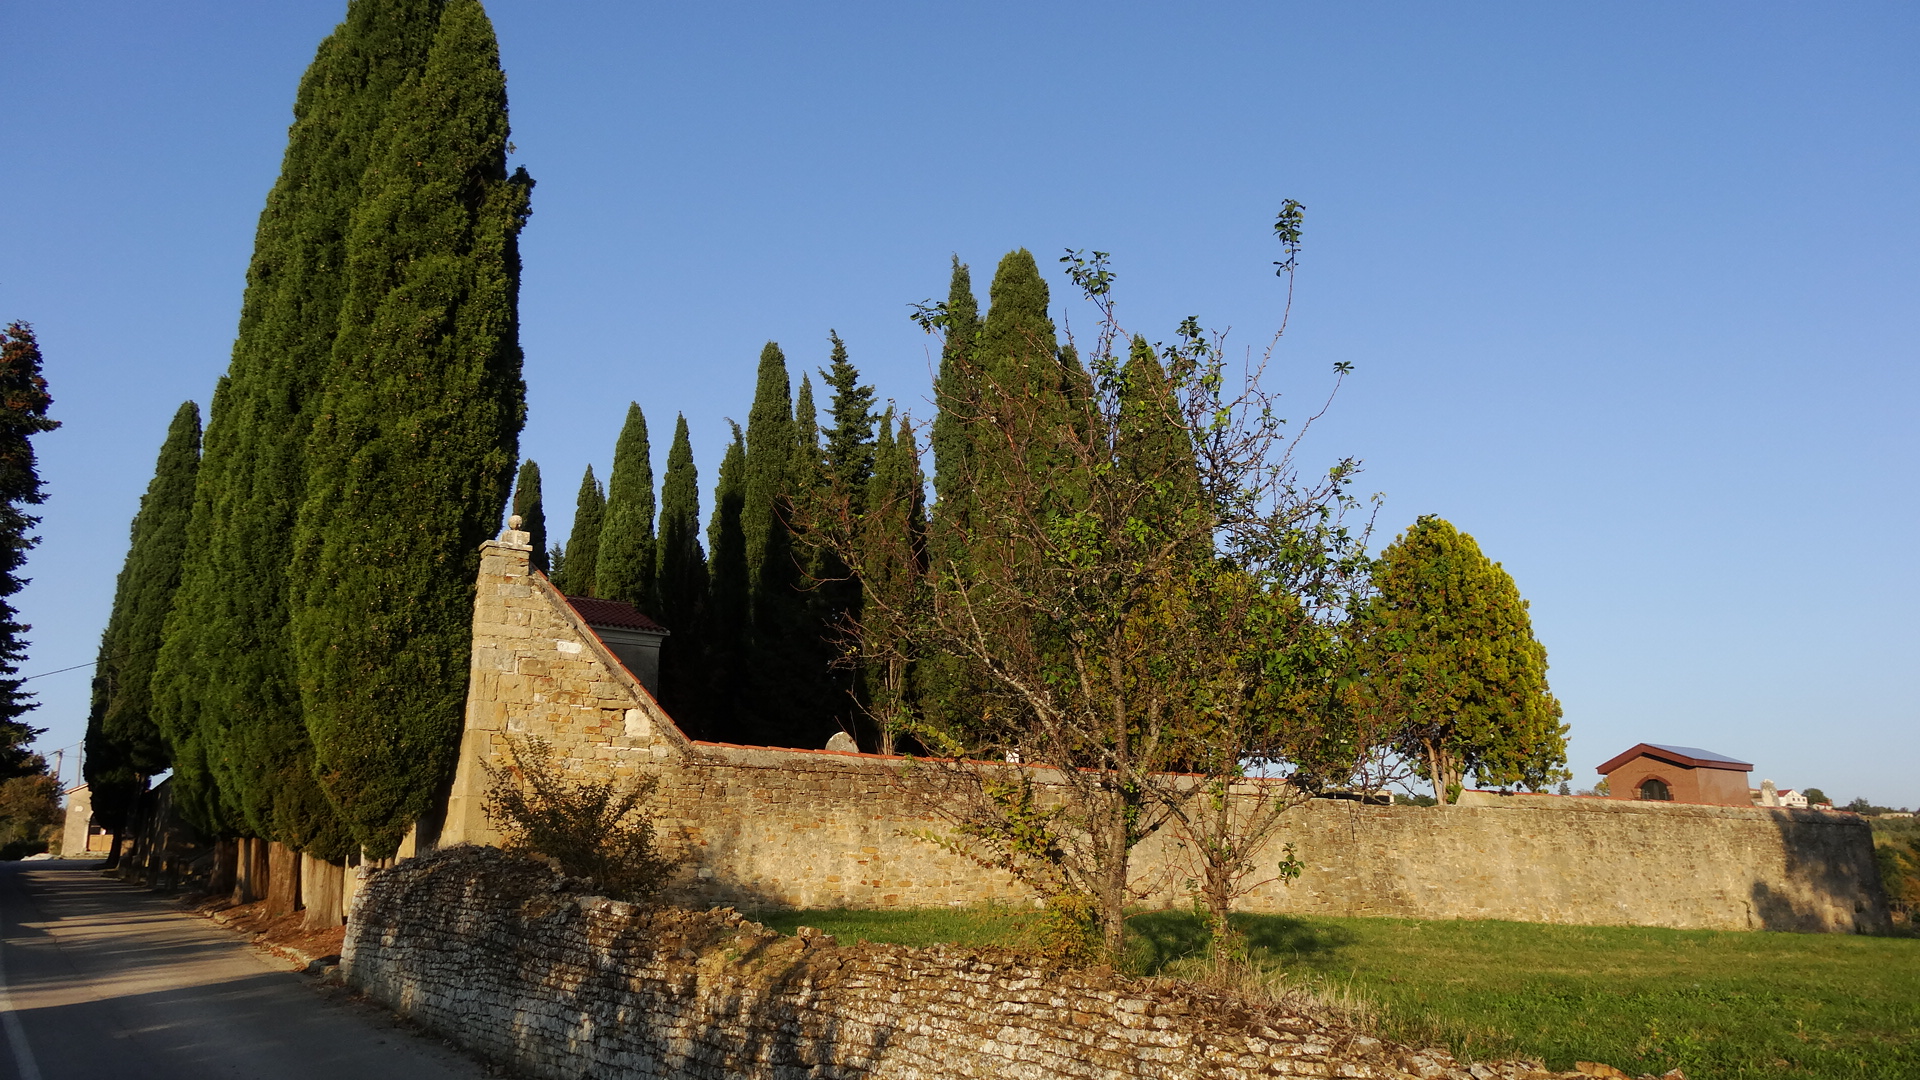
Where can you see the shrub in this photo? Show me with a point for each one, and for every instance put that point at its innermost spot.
(594, 829)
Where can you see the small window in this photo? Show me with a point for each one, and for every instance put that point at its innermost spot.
(1652, 790)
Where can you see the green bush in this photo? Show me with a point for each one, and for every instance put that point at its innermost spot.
(15, 850)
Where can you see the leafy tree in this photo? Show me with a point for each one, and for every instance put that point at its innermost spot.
(29, 809)
(23, 414)
(123, 744)
(581, 558)
(1452, 662)
(729, 598)
(627, 554)
(1150, 586)
(528, 506)
(1815, 797)
(225, 692)
(681, 583)
(413, 449)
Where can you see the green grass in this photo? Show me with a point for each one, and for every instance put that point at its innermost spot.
(1715, 1004)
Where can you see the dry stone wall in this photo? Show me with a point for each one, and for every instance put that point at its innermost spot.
(494, 953)
(757, 827)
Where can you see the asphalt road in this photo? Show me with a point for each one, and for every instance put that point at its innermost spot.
(105, 981)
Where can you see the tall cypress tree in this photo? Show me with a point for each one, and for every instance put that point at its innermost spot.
(627, 556)
(413, 451)
(1153, 449)
(583, 543)
(956, 397)
(224, 688)
(892, 582)
(532, 511)
(23, 414)
(728, 598)
(769, 463)
(123, 743)
(680, 585)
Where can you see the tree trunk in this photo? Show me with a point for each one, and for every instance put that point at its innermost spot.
(323, 890)
(113, 853)
(250, 881)
(283, 880)
(226, 860)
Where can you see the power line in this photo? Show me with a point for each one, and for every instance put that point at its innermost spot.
(91, 663)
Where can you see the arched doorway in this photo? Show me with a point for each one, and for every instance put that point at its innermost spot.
(1654, 789)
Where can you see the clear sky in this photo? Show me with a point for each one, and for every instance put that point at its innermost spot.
(1631, 288)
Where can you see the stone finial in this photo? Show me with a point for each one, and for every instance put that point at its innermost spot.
(512, 537)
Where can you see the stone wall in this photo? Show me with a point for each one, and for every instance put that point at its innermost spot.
(491, 952)
(758, 827)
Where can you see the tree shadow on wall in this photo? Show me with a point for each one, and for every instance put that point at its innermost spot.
(1161, 938)
(1830, 858)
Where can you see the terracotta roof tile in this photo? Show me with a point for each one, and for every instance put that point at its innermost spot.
(612, 614)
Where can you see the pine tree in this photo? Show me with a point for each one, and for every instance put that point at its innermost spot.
(532, 512)
(680, 584)
(413, 451)
(123, 744)
(850, 442)
(626, 560)
(1451, 657)
(729, 610)
(582, 555)
(23, 414)
(224, 689)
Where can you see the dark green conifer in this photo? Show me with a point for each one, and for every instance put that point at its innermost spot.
(956, 396)
(769, 462)
(23, 414)
(532, 512)
(850, 442)
(892, 583)
(626, 559)
(225, 691)
(729, 608)
(1153, 450)
(413, 449)
(680, 585)
(582, 555)
(123, 744)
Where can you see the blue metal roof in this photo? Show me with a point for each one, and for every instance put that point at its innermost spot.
(1696, 752)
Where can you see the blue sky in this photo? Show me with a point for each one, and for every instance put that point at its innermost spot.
(1630, 288)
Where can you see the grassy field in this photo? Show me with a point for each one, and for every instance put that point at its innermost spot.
(1717, 1005)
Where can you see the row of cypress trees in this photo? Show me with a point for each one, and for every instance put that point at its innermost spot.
(759, 651)
(303, 587)
(758, 613)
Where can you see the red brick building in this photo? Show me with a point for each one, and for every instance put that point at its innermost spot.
(1688, 774)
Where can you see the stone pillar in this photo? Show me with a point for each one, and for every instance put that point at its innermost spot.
(506, 566)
